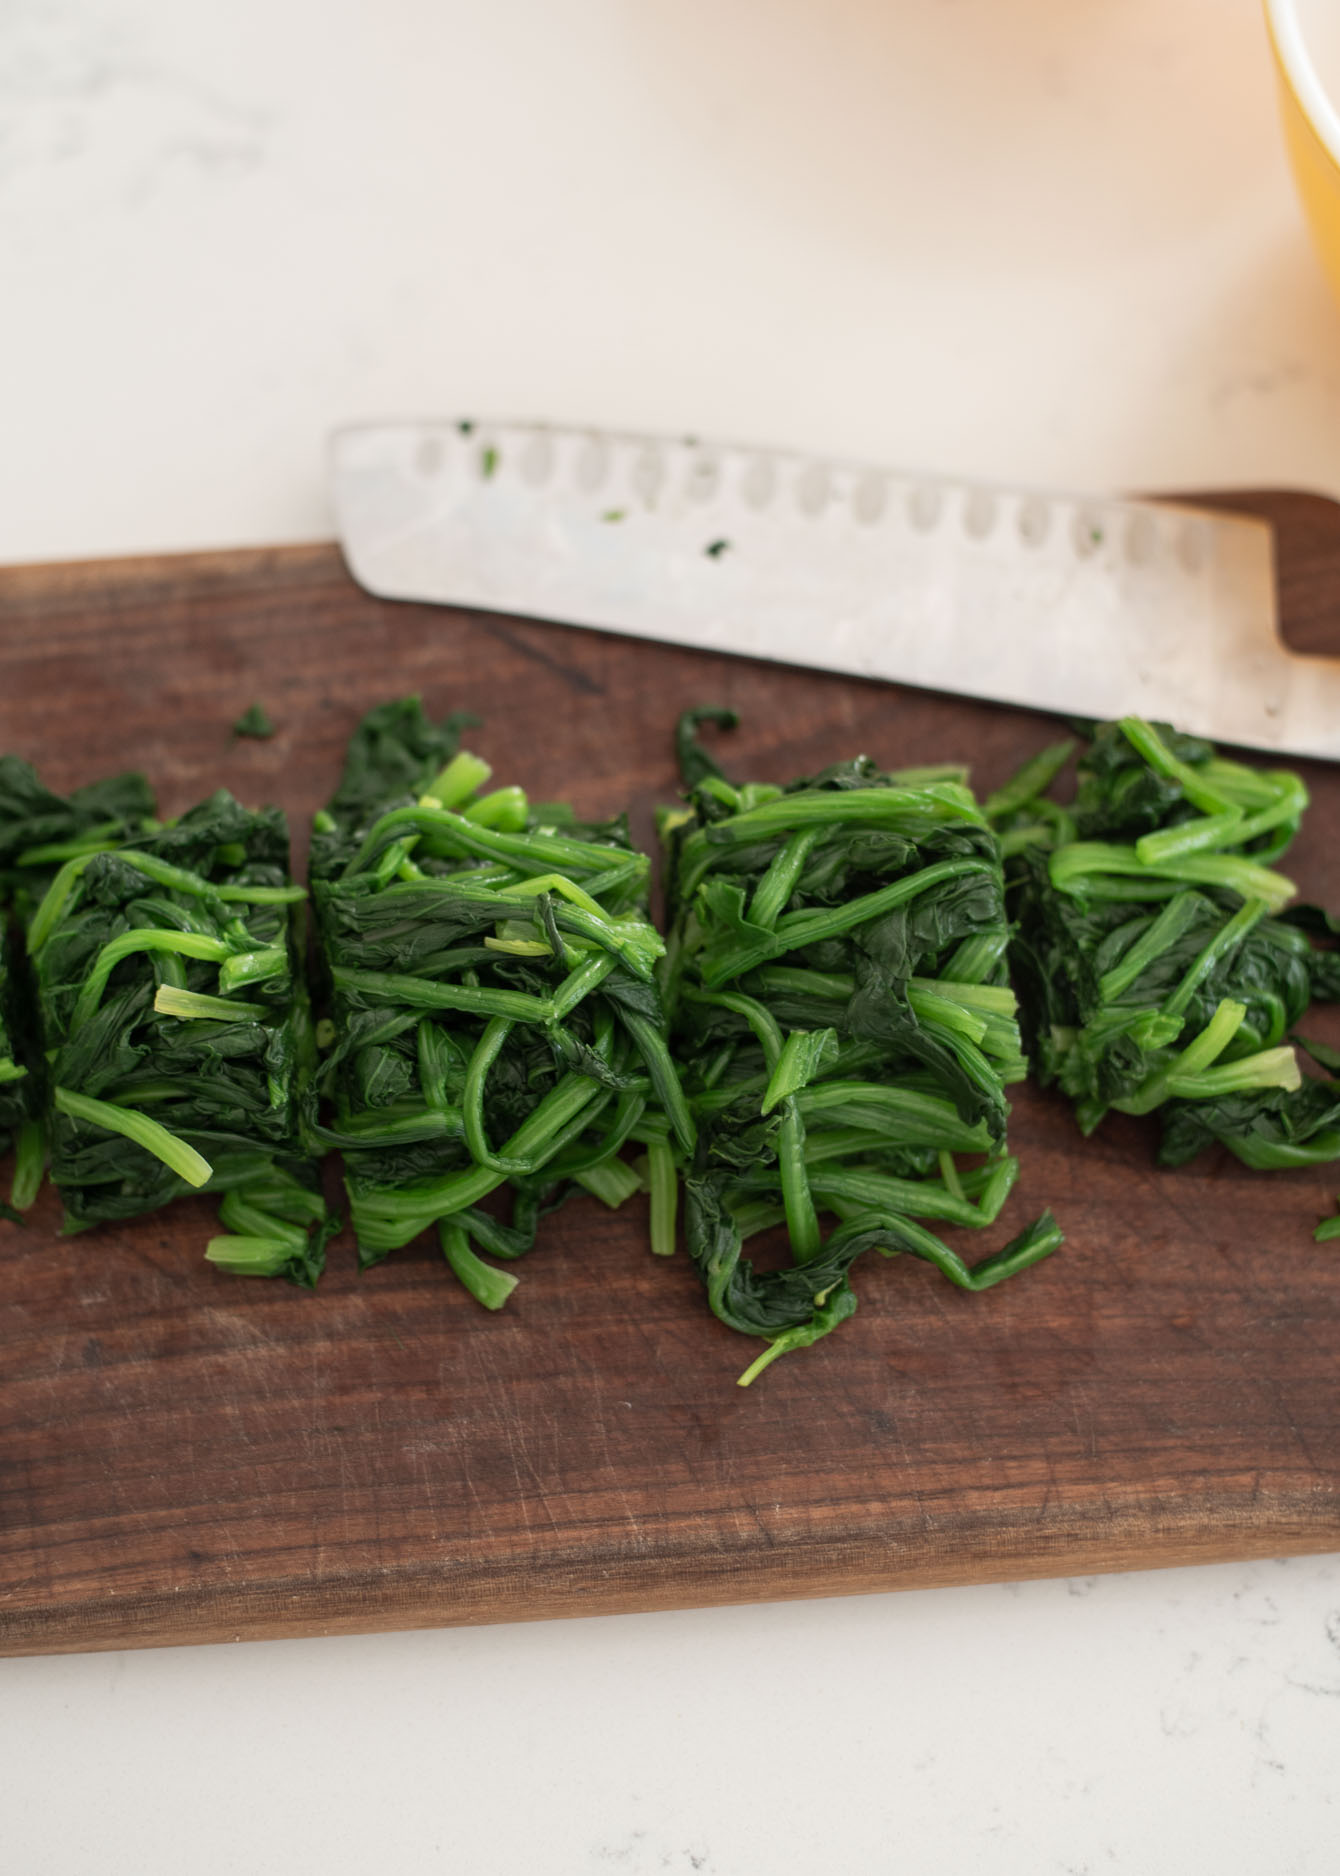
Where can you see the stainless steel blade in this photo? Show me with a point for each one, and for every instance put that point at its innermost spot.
(1085, 606)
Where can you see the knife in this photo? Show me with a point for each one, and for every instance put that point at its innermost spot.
(1085, 605)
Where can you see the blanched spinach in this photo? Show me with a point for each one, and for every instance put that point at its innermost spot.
(39, 832)
(846, 1034)
(495, 1023)
(1157, 966)
(176, 1023)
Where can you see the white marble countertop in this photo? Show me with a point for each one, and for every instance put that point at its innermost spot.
(1052, 241)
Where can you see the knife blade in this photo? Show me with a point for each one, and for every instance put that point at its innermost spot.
(1085, 605)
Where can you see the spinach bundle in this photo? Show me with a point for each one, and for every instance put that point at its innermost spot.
(495, 1019)
(836, 975)
(40, 831)
(178, 1033)
(1156, 964)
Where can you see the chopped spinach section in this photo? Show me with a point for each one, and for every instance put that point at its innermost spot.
(1157, 966)
(42, 834)
(178, 1033)
(836, 978)
(496, 1026)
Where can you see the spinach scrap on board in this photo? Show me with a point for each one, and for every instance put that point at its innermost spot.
(178, 1033)
(1160, 967)
(846, 1034)
(495, 1023)
(254, 721)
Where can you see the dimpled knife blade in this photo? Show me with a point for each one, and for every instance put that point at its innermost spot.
(1082, 605)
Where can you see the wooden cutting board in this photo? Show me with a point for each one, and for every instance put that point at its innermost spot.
(189, 1457)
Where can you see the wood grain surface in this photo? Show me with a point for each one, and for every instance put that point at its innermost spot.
(189, 1457)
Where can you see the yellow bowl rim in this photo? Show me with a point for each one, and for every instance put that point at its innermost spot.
(1301, 74)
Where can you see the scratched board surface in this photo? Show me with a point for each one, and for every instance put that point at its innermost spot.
(186, 1456)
